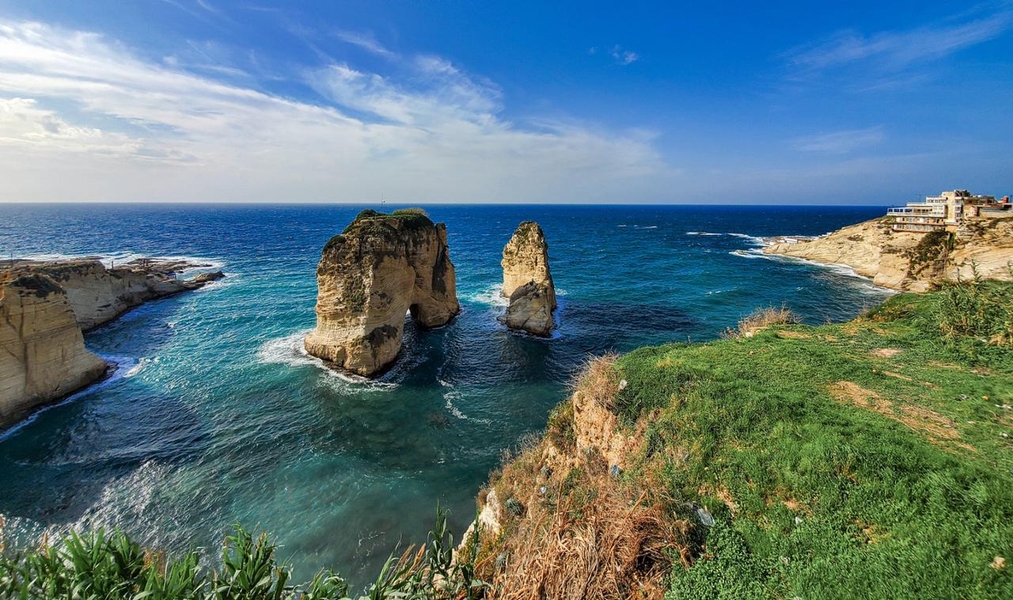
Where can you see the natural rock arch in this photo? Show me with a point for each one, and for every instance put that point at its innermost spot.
(379, 268)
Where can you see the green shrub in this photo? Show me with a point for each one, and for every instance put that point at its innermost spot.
(100, 565)
(978, 309)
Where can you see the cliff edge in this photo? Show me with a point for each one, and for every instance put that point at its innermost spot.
(527, 281)
(796, 462)
(46, 305)
(911, 261)
(379, 268)
(42, 353)
(99, 294)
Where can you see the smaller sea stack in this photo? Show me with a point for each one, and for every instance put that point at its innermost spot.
(527, 281)
(380, 268)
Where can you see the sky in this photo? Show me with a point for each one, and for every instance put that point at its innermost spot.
(448, 101)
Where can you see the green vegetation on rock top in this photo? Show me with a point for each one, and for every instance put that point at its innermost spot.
(388, 227)
(411, 218)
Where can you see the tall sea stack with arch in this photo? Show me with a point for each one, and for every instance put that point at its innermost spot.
(379, 268)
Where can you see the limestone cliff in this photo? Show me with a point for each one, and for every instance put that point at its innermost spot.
(44, 306)
(98, 294)
(527, 281)
(42, 353)
(381, 267)
(911, 261)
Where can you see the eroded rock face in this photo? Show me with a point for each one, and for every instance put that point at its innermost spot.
(527, 281)
(381, 267)
(99, 295)
(42, 353)
(44, 306)
(912, 261)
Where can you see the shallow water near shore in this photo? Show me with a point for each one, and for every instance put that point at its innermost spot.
(216, 415)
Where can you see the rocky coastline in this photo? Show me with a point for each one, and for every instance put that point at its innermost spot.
(910, 261)
(45, 306)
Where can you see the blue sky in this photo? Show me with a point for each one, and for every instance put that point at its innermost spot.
(449, 101)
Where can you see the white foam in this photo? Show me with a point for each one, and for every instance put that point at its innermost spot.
(866, 283)
(702, 233)
(759, 241)
(450, 395)
(132, 494)
(290, 351)
(120, 365)
(751, 253)
(134, 370)
(491, 296)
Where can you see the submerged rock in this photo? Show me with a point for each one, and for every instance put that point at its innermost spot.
(42, 353)
(381, 267)
(527, 281)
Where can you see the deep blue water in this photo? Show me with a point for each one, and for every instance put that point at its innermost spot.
(215, 417)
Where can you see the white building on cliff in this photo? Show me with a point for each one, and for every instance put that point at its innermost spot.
(947, 211)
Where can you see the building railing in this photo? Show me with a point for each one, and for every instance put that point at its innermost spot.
(929, 211)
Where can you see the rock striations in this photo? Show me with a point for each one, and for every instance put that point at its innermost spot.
(44, 306)
(42, 353)
(380, 268)
(911, 261)
(99, 294)
(527, 281)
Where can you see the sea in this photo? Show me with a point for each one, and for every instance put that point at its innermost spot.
(215, 416)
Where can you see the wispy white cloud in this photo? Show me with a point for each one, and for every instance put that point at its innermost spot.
(841, 142)
(199, 9)
(896, 50)
(207, 6)
(83, 118)
(366, 41)
(623, 57)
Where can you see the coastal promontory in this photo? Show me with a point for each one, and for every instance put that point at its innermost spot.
(896, 256)
(527, 281)
(43, 355)
(45, 306)
(381, 267)
(99, 294)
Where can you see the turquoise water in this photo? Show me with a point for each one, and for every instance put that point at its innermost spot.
(216, 417)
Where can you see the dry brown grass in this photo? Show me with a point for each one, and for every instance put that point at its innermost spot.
(793, 335)
(588, 537)
(886, 352)
(934, 426)
(597, 381)
(577, 530)
(762, 319)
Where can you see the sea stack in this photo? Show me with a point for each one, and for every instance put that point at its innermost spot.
(379, 268)
(43, 355)
(527, 281)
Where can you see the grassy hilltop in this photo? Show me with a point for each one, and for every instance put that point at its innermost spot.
(868, 459)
